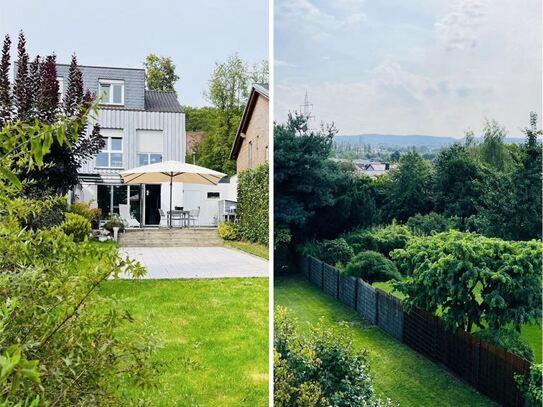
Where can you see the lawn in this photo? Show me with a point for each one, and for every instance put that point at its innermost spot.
(214, 336)
(400, 373)
(531, 333)
(252, 248)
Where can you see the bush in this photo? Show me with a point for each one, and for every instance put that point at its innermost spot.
(77, 226)
(228, 231)
(372, 267)
(319, 370)
(333, 252)
(532, 386)
(84, 209)
(382, 240)
(43, 213)
(424, 225)
(253, 204)
(509, 339)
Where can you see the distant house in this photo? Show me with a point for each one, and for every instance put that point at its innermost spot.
(372, 169)
(139, 127)
(251, 145)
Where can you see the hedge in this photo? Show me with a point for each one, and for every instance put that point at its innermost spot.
(253, 207)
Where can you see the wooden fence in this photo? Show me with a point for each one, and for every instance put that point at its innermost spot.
(488, 368)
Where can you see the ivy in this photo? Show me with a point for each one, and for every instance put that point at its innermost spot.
(253, 204)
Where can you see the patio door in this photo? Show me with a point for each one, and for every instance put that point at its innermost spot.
(152, 204)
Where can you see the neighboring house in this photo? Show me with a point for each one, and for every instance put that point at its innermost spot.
(372, 169)
(140, 127)
(251, 145)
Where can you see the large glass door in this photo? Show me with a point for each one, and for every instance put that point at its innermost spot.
(152, 204)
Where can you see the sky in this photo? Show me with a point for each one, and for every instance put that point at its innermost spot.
(121, 33)
(436, 67)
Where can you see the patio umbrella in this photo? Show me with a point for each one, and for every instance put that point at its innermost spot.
(171, 171)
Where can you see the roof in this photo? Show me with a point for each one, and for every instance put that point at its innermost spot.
(257, 90)
(161, 101)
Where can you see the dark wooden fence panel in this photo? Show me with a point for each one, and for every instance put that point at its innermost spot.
(304, 265)
(315, 271)
(367, 302)
(330, 280)
(389, 314)
(347, 291)
(419, 332)
(460, 353)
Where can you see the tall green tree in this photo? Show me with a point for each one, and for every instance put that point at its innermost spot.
(160, 73)
(493, 150)
(228, 90)
(456, 171)
(408, 190)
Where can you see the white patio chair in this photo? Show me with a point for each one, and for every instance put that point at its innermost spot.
(126, 216)
(163, 219)
(194, 216)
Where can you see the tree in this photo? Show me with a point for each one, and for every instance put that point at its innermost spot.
(35, 97)
(472, 279)
(5, 91)
(228, 91)
(408, 190)
(493, 150)
(160, 73)
(372, 267)
(454, 188)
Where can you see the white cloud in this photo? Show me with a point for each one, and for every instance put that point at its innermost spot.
(281, 63)
(461, 27)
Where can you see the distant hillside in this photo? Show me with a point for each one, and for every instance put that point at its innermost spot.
(406, 140)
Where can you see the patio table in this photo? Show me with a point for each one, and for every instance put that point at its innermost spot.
(181, 215)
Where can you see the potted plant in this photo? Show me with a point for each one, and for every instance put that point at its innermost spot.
(114, 221)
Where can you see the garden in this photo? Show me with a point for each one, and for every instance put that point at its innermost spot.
(458, 237)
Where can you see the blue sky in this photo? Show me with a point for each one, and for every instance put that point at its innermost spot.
(409, 67)
(195, 34)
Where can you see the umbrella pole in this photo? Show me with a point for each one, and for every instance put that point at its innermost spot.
(171, 178)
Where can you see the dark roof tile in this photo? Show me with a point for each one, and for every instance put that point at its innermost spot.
(159, 101)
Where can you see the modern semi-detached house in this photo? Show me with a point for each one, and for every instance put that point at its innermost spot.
(139, 127)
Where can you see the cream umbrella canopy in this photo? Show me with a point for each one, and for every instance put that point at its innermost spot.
(171, 171)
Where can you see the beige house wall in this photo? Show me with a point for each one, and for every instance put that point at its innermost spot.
(254, 148)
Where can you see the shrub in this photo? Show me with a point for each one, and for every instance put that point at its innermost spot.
(472, 279)
(228, 231)
(382, 240)
(372, 267)
(532, 386)
(77, 226)
(84, 209)
(321, 369)
(424, 225)
(253, 208)
(43, 213)
(509, 339)
(331, 252)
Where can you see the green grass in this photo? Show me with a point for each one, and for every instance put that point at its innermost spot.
(253, 248)
(530, 333)
(214, 335)
(400, 373)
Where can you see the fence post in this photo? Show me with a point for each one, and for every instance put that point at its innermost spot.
(377, 299)
(356, 294)
(337, 284)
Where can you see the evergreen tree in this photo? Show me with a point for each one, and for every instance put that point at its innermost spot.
(5, 91)
(22, 94)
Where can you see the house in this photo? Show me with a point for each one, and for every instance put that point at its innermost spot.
(251, 145)
(140, 127)
(372, 169)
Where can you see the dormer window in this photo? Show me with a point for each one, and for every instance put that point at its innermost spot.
(111, 92)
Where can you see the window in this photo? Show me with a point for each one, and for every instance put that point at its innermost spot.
(112, 154)
(149, 144)
(148, 158)
(111, 92)
(213, 195)
(110, 196)
(60, 81)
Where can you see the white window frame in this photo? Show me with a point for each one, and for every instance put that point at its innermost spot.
(107, 149)
(110, 82)
(60, 81)
(149, 156)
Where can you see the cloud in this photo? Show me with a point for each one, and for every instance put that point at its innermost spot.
(281, 63)
(461, 27)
